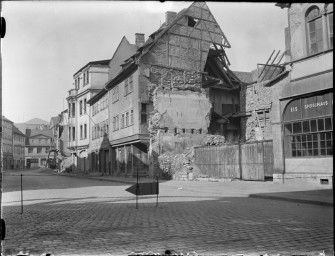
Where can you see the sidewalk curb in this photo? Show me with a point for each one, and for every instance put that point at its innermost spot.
(295, 200)
(93, 178)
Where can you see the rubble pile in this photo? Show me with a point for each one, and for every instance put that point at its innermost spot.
(179, 166)
(214, 140)
(66, 164)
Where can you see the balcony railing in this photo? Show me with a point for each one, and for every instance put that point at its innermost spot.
(73, 92)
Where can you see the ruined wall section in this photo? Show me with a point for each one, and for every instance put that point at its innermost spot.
(180, 111)
(256, 103)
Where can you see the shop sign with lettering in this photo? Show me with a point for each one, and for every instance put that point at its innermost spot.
(310, 107)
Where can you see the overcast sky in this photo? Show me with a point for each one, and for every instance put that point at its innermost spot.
(46, 42)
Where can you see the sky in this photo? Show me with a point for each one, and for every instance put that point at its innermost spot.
(46, 42)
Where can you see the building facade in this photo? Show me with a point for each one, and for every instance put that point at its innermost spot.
(99, 154)
(37, 147)
(7, 144)
(88, 81)
(302, 122)
(18, 148)
(176, 88)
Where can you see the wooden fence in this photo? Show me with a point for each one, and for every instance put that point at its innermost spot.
(248, 161)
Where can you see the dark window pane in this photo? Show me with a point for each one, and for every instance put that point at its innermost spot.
(329, 144)
(322, 144)
(293, 146)
(303, 138)
(309, 137)
(313, 126)
(288, 128)
(321, 125)
(328, 123)
(322, 136)
(315, 152)
(304, 145)
(305, 126)
(315, 145)
(310, 144)
(315, 137)
(294, 153)
(298, 153)
(328, 135)
(297, 127)
(323, 152)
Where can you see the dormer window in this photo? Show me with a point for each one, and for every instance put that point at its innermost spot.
(314, 30)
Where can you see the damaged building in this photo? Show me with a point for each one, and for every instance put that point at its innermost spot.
(171, 93)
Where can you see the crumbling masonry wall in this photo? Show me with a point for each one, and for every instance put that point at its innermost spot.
(256, 103)
(180, 117)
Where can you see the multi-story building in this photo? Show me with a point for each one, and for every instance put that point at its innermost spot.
(37, 146)
(174, 90)
(18, 148)
(98, 154)
(7, 143)
(302, 119)
(88, 81)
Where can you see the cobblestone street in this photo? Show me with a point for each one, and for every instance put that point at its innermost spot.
(100, 218)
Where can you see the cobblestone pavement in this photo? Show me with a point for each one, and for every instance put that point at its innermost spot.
(100, 218)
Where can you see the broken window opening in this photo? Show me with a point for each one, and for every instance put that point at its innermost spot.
(183, 130)
(175, 130)
(191, 22)
(200, 131)
(192, 131)
(166, 129)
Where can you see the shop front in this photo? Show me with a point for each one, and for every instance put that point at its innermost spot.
(307, 124)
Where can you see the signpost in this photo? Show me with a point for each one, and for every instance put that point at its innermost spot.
(143, 189)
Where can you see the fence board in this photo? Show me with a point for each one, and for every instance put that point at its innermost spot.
(255, 159)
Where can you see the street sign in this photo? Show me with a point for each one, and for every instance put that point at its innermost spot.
(142, 189)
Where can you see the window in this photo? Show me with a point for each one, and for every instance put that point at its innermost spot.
(85, 131)
(131, 86)
(87, 77)
(73, 110)
(81, 107)
(143, 113)
(69, 133)
(115, 94)
(131, 117)
(330, 29)
(30, 150)
(314, 30)
(126, 87)
(84, 80)
(39, 150)
(73, 133)
(116, 123)
(85, 103)
(122, 121)
(308, 138)
(127, 119)
(81, 132)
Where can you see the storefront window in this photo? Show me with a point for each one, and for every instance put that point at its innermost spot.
(310, 135)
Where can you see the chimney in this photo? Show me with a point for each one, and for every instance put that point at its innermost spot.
(169, 16)
(139, 39)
